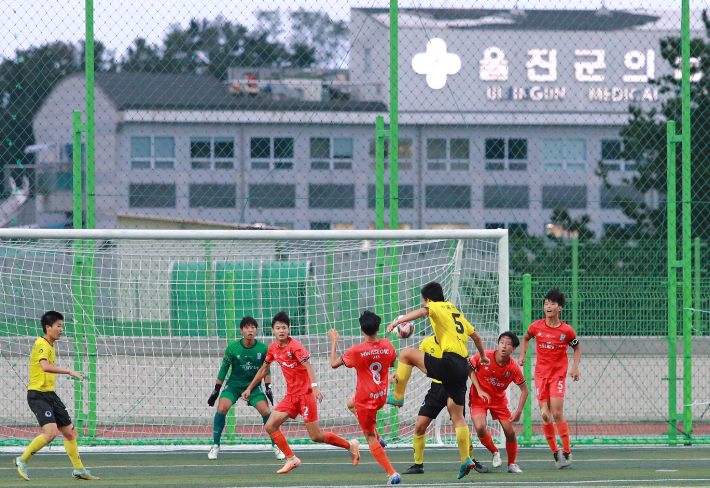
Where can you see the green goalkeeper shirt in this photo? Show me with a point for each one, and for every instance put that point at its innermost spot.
(244, 362)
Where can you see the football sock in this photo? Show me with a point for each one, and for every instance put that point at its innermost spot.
(487, 442)
(512, 449)
(470, 448)
(378, 435)
(404, 371)
(419, 444)
(265, 418)
(463, 438)
(73, 451)
(220, 419)
(337, 441)
(381, 457)
(37, 443)
(280, 440)
(563, 430)
(549, 430)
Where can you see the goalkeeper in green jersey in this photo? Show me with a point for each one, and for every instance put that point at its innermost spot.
(245, 357)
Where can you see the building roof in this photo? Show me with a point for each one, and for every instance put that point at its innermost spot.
(153, 91)
(518, 19)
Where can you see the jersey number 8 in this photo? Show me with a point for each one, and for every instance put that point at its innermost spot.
(376, 368)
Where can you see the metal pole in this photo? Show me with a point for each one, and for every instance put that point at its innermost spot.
(672, 282)
(527, 367)
(90, 124)
(687, 221)
(696, 283)
(575, 284)
(231, 334)
(394, 115)
(77, 271)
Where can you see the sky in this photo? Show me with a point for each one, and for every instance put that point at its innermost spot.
(118, 22)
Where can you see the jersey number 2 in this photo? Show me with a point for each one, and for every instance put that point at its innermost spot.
(459, 325)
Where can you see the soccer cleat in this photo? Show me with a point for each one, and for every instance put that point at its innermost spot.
(214, 452)
(290, 465)
(466, 468)
(496, 459)
(480, 467)
(83, 474)
(395, 479)
(277, 452)
(415, 469)
(565, 460)
(514, 468)
(382, 442)
(557, 457)
(393, 402)
(21, 468)
(355, 451)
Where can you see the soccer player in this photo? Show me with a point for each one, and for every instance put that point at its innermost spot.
(244, 357)
(51, 413)
(302, 394)
(553, 337)
(452, 331)
(488, 393)
(372, 360)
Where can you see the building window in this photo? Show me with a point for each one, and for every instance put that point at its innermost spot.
(213, 195)
(331, 153)
(448, 196)
(564, 196)
(284, 225)
(564, 154)
(513, 227)
(506, 196)
(615, 196)
(368, 60)
(612, 150)
(495, 225)
(406, 196)
(320, 225)
(152, 152)
(448, 154)
(269, 153)
(406, 151)
(211, 153)
(272, 196)
(502, 154)
(151, 195)
(331, 196)
(343, 226)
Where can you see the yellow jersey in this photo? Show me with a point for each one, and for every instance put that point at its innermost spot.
(450, 327)
(39, 380)
(430, 346)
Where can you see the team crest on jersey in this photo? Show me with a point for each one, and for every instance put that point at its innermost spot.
(507, 374)
(258, 355)
(562, 337)
(47, 413)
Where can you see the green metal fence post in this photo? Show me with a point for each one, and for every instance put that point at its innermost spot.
(231, 334)
(575, 284)
(527, 367)
(673, 264)
(687, 220)
(78, 271)
(697, 275)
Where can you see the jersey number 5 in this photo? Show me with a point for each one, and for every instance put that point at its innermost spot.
(459, 325)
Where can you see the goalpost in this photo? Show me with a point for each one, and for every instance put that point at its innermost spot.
(149, 313)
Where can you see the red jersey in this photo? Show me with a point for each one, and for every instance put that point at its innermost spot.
(552, 344)
(291, 358)
(494, 379)
(372, 360)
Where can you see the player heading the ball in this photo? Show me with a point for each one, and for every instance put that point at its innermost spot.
(244, 357)
(50, 411)
(452, 331)
(553, 338)
(372, 360)
(488, 394)
(301, 394)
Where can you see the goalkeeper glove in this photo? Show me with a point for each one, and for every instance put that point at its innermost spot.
(214, 395)
(269, 393)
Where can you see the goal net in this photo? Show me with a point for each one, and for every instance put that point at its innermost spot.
(149, 314)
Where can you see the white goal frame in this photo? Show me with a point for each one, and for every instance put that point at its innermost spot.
(498, 235)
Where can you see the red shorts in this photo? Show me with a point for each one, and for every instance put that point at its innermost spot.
(367, 418)
(500, 409)
(554, 387)
(304, 405)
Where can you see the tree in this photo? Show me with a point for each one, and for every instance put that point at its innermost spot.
(645, 142)
(141, 56)
(568, 227)
(327, 37)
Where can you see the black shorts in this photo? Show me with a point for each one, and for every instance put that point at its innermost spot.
(434, 401)
(48, 408)
(452, 370)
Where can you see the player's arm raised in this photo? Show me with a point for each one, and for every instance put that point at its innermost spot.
(524, 348)
(50, 368)
(416, 314)
(574, 372)
(260, 375)
(314, 380)
(524, 392)
(335, 361)
(481, 350)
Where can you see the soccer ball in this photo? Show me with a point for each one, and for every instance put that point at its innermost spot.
(404, 330)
